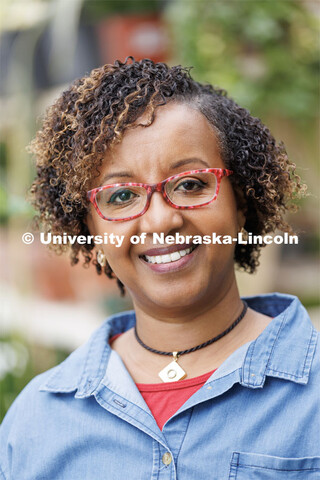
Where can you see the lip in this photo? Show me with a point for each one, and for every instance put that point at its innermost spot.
(165, 250)
(183, 262)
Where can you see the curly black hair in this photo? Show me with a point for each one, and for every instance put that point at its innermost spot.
(94, 113)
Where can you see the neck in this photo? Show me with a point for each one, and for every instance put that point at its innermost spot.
(186, 328)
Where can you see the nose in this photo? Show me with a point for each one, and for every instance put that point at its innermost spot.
(160, 216)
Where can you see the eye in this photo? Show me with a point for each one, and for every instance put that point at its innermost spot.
(190, 185)
(121, 196)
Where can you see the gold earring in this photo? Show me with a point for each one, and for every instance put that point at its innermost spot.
(244, 234)
(101, 258)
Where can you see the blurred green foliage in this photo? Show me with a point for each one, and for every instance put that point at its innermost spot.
(19, 363)
(96, 9)
(265, 53)
(11, 205)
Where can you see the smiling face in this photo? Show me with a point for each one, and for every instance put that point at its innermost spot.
(180, 139)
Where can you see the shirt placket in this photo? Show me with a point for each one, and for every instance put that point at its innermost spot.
(163, 465)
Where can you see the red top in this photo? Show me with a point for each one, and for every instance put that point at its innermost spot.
(165, 399)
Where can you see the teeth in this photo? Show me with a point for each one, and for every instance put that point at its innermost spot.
(175, 256)
(172, 257)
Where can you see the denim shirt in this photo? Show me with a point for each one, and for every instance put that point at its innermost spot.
(256, 417)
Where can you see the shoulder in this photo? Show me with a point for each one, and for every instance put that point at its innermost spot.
(289, 346)
(21, 418)
(70, 375)
(50, 399)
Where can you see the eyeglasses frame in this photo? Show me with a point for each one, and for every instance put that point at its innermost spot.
(158, 187)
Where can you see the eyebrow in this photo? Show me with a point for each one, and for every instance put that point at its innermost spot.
(117, 175)
(187, 161)
(179, 163)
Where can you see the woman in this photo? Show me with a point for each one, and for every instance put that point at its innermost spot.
(195, 382)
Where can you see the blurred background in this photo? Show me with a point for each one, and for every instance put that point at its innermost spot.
(265, 53)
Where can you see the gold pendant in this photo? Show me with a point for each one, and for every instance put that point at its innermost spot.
(172, 372)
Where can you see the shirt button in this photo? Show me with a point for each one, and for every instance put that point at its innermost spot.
(166, 458)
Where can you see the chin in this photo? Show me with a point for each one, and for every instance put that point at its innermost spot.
(175, 297)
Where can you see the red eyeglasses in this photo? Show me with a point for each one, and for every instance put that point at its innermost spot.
(187, 190)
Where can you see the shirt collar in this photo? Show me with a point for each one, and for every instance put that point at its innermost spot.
(84, 369)
(284, 349)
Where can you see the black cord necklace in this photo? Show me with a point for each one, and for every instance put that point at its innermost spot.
(173, 372)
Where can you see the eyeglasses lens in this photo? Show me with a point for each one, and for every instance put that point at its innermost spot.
(128, 201)
(192, 190)
(121, 202)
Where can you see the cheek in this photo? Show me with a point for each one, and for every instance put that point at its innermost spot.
(115, 255)
(225, 211)
(219, 219)
(98, 226)
(118, 257)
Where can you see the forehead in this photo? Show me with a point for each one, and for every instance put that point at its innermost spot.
(178, 132)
